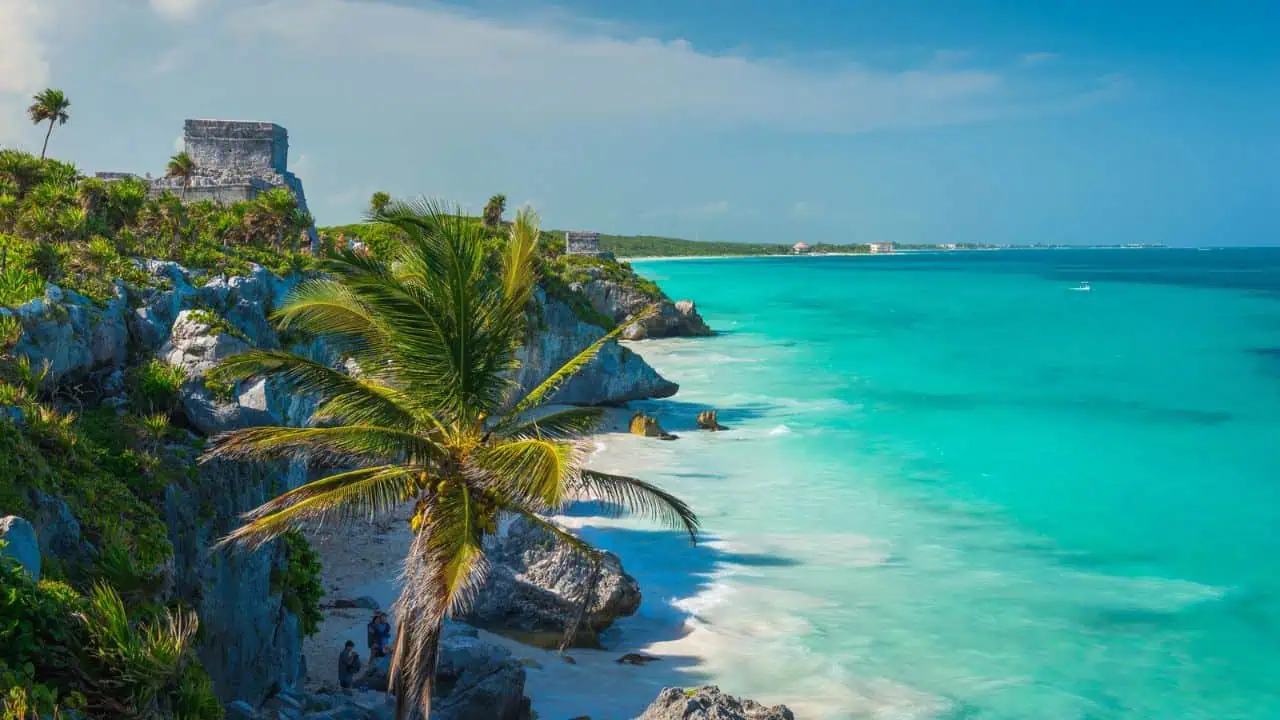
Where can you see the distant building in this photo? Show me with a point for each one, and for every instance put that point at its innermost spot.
(582, 242)
(800, 248)
(947, 246)
(880, 248)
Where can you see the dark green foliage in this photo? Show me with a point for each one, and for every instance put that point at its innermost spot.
(61, 650)
(298, 582)
(493, 210)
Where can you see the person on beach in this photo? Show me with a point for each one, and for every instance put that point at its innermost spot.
(379, 635)
(348, 665)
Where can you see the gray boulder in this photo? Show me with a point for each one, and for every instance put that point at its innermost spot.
(535, 585)
(21, 544)
(708, 703)
(475, 680)
(679, 319)
(616, 376)
(71, 334)
(196, 346)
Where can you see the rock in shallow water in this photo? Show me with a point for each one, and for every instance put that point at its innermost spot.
(708, 703)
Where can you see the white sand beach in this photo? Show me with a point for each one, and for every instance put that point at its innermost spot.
(364, 560)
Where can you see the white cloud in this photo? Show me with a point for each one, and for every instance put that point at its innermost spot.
(176, 9)
(544, 72)
(24, 62)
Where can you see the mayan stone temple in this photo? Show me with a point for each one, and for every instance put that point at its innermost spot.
(235, 161)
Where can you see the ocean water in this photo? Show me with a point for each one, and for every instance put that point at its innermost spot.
(954, 487)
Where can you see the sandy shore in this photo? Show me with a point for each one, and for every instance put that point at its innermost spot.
(364, 560)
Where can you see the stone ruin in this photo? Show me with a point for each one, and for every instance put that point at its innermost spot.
(580, 242)
(234, 161)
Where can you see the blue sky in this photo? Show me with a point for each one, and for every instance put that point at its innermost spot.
(752, 120)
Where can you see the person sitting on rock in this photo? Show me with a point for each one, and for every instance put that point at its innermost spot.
(379, 635)
(348, 665)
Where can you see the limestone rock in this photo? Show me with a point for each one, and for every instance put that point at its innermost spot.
(617, 375)
(72, 334)
(21, 544)
(708, 703)
(251, 642)
(475, 680)
(196, 347)
(680, 319)
(536, 583)
(647, 426)
(708, 420)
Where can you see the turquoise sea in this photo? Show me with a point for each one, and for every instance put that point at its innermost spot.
(955, 487)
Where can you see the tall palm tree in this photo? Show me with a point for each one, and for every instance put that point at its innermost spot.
(49, 105)
(430, 418)
(183, 166)
(494, 209)
(379, 201)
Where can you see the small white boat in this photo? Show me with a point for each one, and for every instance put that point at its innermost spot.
(1082, 287)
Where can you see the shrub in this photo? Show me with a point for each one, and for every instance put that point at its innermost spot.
(18, 285)
(298, 582)
(156, 384)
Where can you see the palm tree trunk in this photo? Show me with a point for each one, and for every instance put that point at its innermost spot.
(183, 195)
(45, 148)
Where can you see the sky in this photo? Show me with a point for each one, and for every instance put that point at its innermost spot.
(1064, 121)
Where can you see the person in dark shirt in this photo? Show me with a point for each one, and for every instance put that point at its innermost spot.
(348, 665)
(379, 635)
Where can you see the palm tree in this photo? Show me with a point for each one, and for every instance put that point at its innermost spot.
(276, 210)
(494, 209)
(430, 418)
(379, 201)
(49, 105)
(183, 166)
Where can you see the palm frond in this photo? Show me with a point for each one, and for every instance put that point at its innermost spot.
(367, 496)
(342, 445)
(350, 399)
(548, 387)
(518, 274)
(564, 424)
(639, 497)
(330, 308)
(535, 472)
(330, 483)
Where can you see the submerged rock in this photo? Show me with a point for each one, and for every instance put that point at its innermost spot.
(536, 584)
(708, 703)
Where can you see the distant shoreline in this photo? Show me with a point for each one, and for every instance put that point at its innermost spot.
(905, 251)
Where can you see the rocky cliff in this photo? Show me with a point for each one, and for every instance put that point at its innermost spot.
(618, 301)
(251, 640)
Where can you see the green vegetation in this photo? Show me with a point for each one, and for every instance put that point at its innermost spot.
(51, 106)
(85, 233)
(155, 385)
(217, 324)
(298, 582)
(556, 270)
(427, 420)
(493, 210)
(183, 167)
(63, 651)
